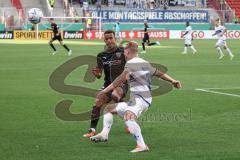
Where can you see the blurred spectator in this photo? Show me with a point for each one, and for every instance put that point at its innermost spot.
(151, 4)
(129, 3)
(236, 20)
(51, 2)
(99, 4)
(110, 3)
(88, 22)
(33, 27)
(134, 4)
(105, 2)
(81, 3)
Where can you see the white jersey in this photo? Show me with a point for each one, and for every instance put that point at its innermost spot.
(189, 34)
(140, 72)
(220, 31)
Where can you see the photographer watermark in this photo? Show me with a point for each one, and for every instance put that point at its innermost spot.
(57, 78)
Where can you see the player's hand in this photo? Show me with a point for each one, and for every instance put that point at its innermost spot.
(96, 72)
(177, 84)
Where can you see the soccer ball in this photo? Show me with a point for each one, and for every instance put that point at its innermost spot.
(35, 15)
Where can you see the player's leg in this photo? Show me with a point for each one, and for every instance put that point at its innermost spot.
(228, 50)
(153, 43)
(65, 46)
(218, 45)
(185, 46)
(191, 46)
(109, 110)
(135, 130)
(193, 49)
(52, 46)
(117, 95)
(96, 110)
(130, 117)
(143, 44)
(185, 49)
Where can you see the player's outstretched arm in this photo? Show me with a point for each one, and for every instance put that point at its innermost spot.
(119, 80)
(166, 77)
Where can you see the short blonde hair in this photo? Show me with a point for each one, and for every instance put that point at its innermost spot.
(133, 46)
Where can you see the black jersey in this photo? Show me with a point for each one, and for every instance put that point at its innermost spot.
(112, 64)
(54, 28)
(146, 29)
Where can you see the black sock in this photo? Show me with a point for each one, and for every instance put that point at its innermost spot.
(53, 47)
(143, 46)
(150, 44)
(95, 116)
(65, 46)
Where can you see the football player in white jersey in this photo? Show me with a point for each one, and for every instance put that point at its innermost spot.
(219, 32)
(188, 39)
(138, 72)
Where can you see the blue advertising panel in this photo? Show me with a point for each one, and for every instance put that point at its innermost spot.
(198, 16)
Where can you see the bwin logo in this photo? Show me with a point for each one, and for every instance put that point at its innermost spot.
(6, 35)
(74, 35)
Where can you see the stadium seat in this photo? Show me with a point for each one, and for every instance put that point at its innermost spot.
(235, 5)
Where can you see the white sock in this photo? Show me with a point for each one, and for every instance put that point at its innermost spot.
(185, 50)
(220, 51)
(229, 52)
(194, 50)
(135, 130)
(107, 123)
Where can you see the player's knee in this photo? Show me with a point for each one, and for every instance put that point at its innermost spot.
(129, 116)
(50, 42)
(186, 45)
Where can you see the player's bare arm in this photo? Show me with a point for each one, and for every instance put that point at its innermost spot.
(119, 80)
(166, 77)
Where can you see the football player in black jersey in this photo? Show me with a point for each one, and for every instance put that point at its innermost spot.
(57, 36)
(111, 61)
(146, 38)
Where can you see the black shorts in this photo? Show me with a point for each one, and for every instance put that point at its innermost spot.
(59, 38)
(145, 38)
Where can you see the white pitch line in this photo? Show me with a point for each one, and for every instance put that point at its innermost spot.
(230, 88)
(216, 92)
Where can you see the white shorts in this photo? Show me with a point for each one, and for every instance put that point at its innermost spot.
(138, 108)
(221, 42)
(188, 41)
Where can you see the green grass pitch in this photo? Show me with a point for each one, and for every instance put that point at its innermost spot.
(185, 124)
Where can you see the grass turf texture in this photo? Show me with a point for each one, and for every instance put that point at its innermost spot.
(184, 124)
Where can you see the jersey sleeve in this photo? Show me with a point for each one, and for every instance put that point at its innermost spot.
(128, 68)
(152, 69)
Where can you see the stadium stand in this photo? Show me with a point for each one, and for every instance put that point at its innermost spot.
(235, 5)
(19, 7)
